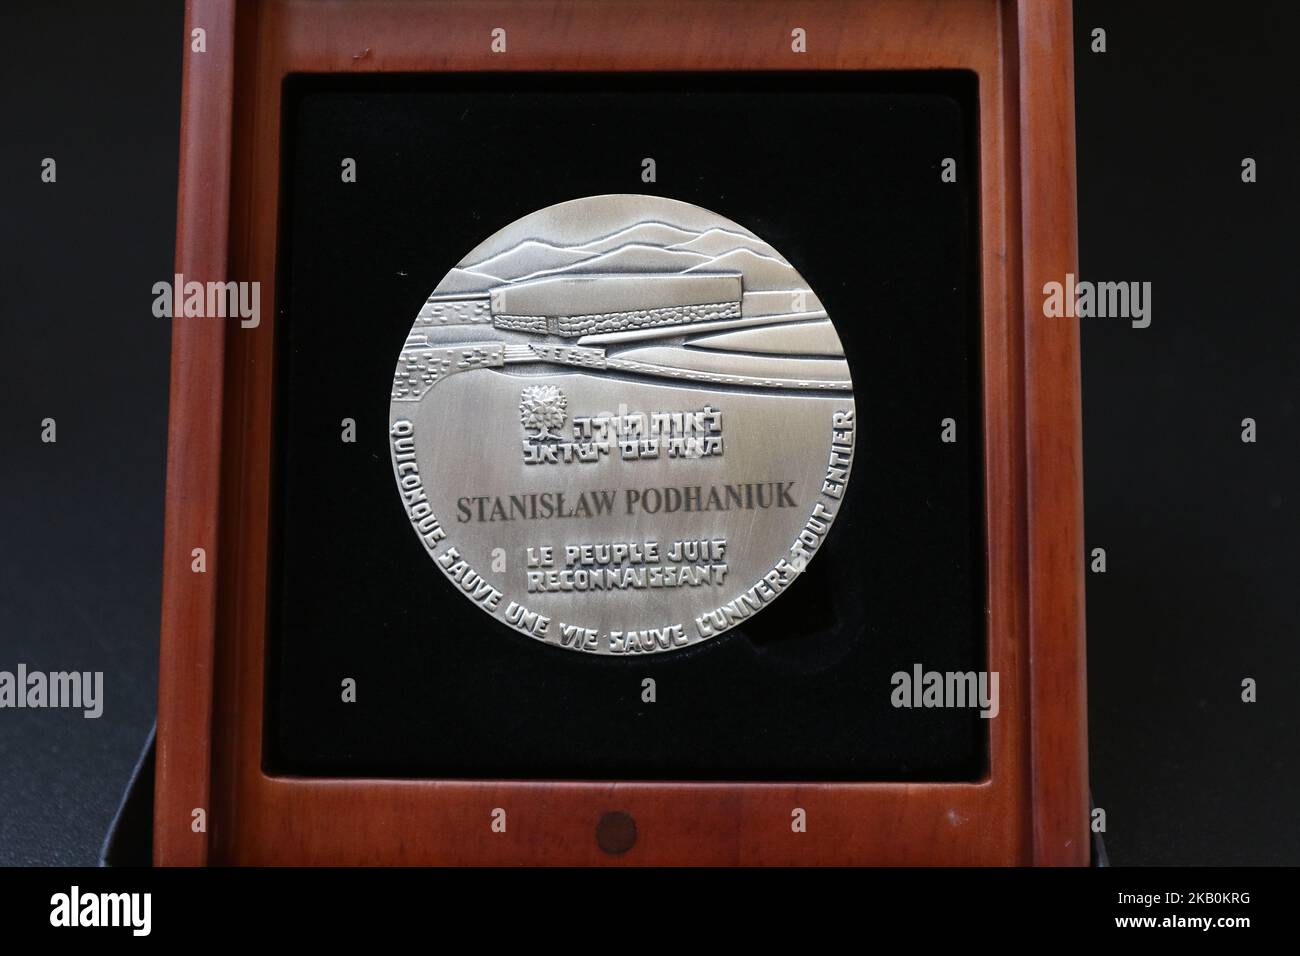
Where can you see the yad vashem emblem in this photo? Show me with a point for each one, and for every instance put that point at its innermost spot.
(622, 425)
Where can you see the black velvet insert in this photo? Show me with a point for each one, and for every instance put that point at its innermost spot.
(841, 173)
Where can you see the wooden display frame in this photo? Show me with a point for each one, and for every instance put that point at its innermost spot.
(1031, 807)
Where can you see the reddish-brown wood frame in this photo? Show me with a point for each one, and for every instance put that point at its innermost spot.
(1032, 805)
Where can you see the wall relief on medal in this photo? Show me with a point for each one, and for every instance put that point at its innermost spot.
(622, 425)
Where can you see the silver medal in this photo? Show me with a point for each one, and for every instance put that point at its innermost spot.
(622, 425)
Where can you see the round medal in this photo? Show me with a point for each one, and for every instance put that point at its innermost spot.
(622, 425)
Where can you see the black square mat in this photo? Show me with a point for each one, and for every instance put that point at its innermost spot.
(841, 174)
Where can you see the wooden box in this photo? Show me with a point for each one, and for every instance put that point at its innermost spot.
(218, 801)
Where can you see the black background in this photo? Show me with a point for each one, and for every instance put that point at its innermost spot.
(1199, 528)
(892, 252)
